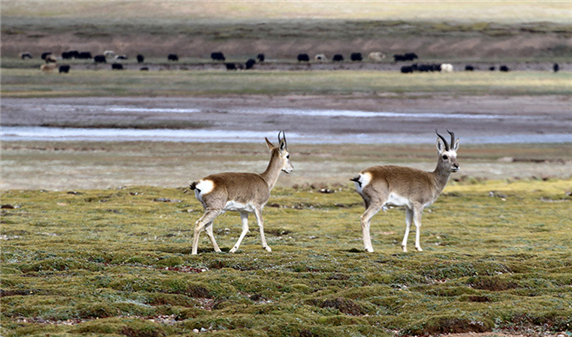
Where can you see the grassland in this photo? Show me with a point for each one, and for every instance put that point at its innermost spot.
(498, 30)
(95, 237)
(30, 83)
(117, 262)
(433, 10)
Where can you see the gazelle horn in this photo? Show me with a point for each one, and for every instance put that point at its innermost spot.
(443, 139)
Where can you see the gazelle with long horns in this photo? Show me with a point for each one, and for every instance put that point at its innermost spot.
(241, 192)
(382, 186)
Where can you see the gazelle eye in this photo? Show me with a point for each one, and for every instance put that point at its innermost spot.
(287, 156)
(445, 157)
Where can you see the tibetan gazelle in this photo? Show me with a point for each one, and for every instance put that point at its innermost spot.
(382, 186)
(241, 192)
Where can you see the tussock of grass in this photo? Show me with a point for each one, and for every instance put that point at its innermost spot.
(115, 262)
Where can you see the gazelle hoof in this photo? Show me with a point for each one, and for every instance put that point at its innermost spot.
(268, 249)
(404, 249)
(419, 249)
(369, 250)
(234, 249)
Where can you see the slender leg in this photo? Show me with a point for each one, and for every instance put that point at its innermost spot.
(417, 220)
(258, 214)
(209, 230)
(408, 220)
(244, 219)
(366, 222)
(208, 217)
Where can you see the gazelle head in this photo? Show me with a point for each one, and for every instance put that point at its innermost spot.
(448, 152)
(280, 153)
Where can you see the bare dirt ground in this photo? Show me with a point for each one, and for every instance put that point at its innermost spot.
(109, 164)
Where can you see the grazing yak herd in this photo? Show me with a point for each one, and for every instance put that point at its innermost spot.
(51, 61)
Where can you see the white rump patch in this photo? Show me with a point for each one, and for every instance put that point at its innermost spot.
(202, 188)
(364, 180)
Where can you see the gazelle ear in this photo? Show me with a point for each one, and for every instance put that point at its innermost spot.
(270, 146)
(282, 144)
(282, 141)
(456, 145)
(440, 145)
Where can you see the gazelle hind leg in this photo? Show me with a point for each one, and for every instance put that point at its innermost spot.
(258, 214)
(417, 220)
(244, 220)
(365, 220)
(208, 217)
(408, 220)
(209, 230)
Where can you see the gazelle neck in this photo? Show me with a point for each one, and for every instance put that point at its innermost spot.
(272, 171)
(441, 177)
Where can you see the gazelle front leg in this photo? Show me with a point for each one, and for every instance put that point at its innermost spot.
(208, 217)
(408, 220)
(258, 214)
(244, 219)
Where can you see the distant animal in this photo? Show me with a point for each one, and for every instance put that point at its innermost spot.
(144, 69)
(407, 69)
(338, 58)
(405, 57)
(382, 186)
(230, 66)
(64, 68)
(492, 68)
(504, 69)
(218, 56)
(239, 192)
(99, 59)
(84, 55)
(121, 57)
(116, 66)
(172, 57)
(469, 67)
(303, 58)
(45, 54)
(74, 54)
(260, 57)
(555, 67)
(140, 58)
(356, 57)
(411, 56)
(50, 59)
(26, 55)
(446, 68)
(427, 67)
(376, 56)
(109, 53)
(250, 63)
(48, 67)
(320, 57)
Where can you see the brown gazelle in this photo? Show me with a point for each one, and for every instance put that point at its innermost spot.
(241, 192)
(382, 186)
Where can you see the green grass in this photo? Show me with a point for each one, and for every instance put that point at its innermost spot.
(32, 83)
(115, 262)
